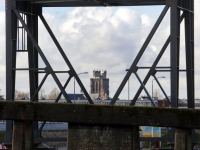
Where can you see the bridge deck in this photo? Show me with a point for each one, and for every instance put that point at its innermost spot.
(100, 114)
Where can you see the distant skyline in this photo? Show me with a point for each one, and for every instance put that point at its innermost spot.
(103, 38)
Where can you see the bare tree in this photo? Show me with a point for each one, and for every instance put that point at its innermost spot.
(21, 95)
(54, 93)
(42, 94)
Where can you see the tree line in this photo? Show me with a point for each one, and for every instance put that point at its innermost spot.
(41, 95)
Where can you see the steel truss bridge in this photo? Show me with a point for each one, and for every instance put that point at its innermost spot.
(27, 13)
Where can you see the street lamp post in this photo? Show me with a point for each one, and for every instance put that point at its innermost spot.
(74, 82)
(152, 84)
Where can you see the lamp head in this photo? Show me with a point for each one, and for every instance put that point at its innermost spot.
(162, 77)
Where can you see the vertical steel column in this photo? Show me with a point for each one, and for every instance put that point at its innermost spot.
(11, 42)
(189, 44)
(189, 48)
(32, 24)
(174, 55)
(174, 37)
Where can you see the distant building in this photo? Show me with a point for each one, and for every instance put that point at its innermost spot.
(181, 103)
(99, 85)
(144, 101)
(77, 96)
(163, 103)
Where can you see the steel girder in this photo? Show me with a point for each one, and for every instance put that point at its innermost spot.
(83, 3)
(28, 11)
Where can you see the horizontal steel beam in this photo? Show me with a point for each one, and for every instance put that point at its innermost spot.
(74, 3)
(99, 114)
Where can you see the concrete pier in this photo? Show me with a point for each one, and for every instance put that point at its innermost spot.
(183, 139)
(18, 136)
(22, 136)
(107, 137)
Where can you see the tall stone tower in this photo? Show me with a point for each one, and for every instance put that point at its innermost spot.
(99, 84)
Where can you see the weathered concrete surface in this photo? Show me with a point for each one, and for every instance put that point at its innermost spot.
(18, 142)
(28, 135)
(96, 114)
(22, 135)
(183, 139)
(136, 138)
(95, 137)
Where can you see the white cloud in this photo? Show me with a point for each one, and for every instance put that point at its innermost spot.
(2, 52)
(84, 16)
(197, 48)
(2, 3)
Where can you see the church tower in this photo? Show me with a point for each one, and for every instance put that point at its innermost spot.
(99, 84)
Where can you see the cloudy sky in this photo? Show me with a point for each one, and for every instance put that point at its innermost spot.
(103, 38)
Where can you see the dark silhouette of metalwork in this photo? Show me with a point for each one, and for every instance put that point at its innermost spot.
(22, 29)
